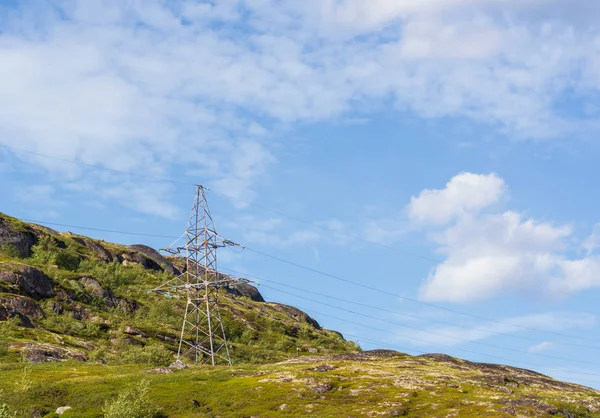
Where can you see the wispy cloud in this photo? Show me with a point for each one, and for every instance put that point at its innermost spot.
(455, 336)
(544, 345)
(195, 87)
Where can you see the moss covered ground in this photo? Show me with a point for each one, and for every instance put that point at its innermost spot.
(350, 385)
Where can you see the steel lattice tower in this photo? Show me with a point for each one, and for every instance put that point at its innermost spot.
(202, 333)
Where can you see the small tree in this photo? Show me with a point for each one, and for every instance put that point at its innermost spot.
(133, 403)
(10, 250)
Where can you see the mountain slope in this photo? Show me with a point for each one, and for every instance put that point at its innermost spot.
(74, 297)
(78, 327)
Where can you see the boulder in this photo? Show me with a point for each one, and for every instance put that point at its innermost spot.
(297, 314)
(134, 331)
(139, 258)
(22, 304)
(62, 410)
(158, 258)
(178, 365)
(244, 289)
(30, 280)
(95, 289)
(102, 253)
(167, 338)
(20, 307)
(44, 353)
(20, 237)
(81, 313)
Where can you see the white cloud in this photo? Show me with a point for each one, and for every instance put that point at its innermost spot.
(592, 242)
(544, 345)
(488, 254)
(147, 86)
(463, 194)
(453, 335)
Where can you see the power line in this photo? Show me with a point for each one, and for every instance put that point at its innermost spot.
(384, 344)
(340, 279)
(446, 346)
(522, 337)
(431, 305)
(432, 332)
(99, 229)
(256, 205)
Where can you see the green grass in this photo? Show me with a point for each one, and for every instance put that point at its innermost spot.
(376, 386)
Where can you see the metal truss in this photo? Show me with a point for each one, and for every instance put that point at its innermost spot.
(202, 335)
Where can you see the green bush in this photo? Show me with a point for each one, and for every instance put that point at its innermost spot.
(113, 275)
(65, 324)
(153, 355)
(46, 252)
(10, 250)
(133, 403)
(7, 329)
(43, 252)
(161, 311)
(67, 260)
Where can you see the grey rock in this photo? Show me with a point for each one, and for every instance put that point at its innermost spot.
(102, 253)
(298, 315)
(135, 331)
(167, 338)
(30, 280)
(20, 238)
(178, 365)
(139, 258)
(62, 410)
(44, 353)
(322, 388)
(244, 289)
(95, 289)
(57, 308)
(157, 258)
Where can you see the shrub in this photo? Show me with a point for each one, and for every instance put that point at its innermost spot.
(7, 329)
(113, 275)
(66, 260)
(43, 252)
(10, 250)
(154, 355)
(133, 403)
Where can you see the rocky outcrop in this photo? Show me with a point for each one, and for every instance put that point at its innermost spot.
(155, 256)
(95, 289)
(139, 258)
(20, 307)
(44, 353)
(130, 330)
(297, 314)
(243, 289)
(31, 281)
(102, 253)
(21, 238)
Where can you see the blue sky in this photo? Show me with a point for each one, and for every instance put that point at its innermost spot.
(460, 135)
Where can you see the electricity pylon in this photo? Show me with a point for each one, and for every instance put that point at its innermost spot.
(202, 332)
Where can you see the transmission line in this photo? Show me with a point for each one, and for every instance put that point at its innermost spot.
(431, 332)
(346, 281)
(256, 205)
(443, 345)
(523, 337)
(431, 305)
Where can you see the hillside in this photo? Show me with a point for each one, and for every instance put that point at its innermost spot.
(78, 327)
